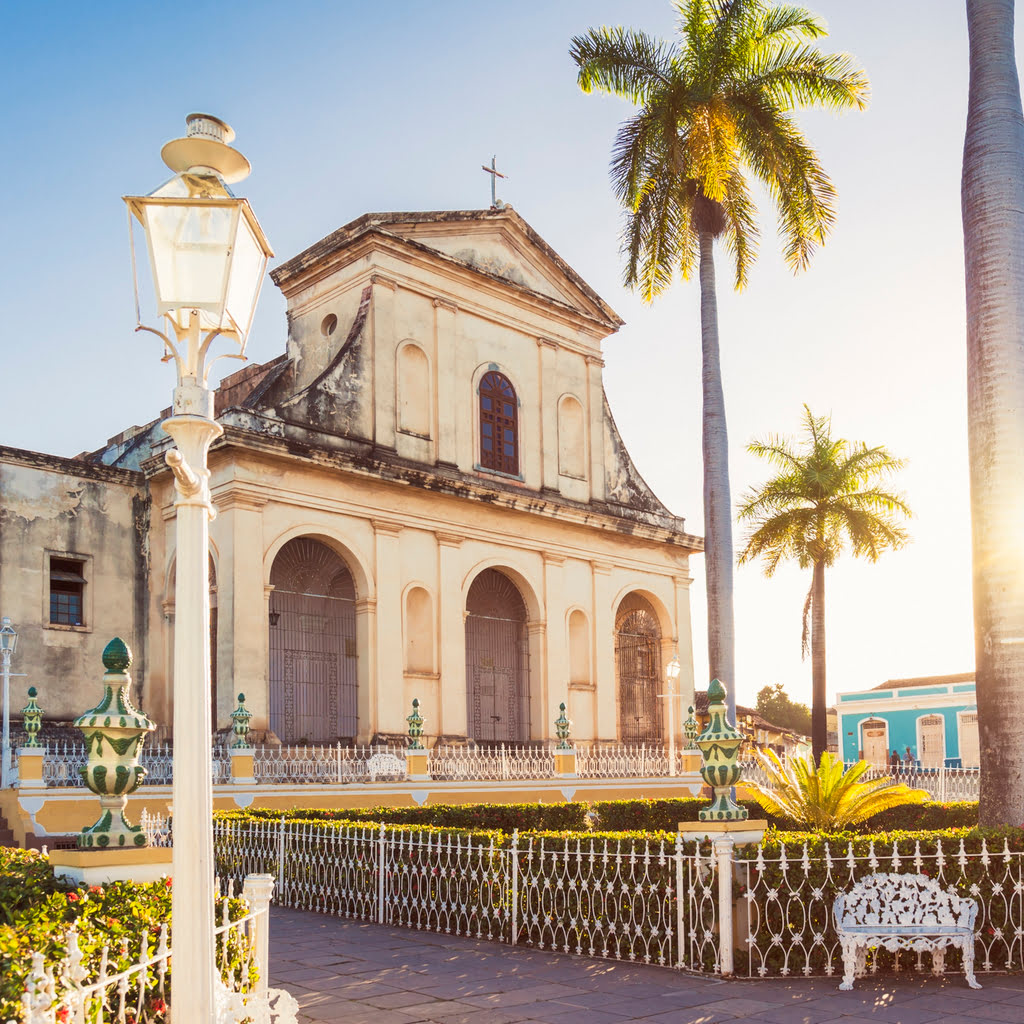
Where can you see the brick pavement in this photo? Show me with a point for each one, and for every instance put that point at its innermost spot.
(350, 972)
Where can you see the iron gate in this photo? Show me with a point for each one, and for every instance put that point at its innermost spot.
(313, 682)
(497, 661)
(638, 668)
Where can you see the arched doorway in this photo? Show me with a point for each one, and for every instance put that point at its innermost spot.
(638, 671)
(313, 685)
(497, 660)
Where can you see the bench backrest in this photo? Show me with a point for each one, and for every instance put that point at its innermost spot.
(888, 899)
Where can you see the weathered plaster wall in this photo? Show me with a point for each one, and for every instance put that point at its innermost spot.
(66, 508)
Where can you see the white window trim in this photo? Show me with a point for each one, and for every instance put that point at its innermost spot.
(920, 745)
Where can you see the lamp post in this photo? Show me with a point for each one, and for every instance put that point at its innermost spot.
(671, 674)
(8, 644)
(208, 255)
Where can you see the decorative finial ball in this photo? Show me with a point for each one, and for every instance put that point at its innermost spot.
(716, 691)
(33, 692)
(116, 655)
(241, 698)
(415, 702)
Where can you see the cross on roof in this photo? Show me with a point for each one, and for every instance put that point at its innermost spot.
(495, 174)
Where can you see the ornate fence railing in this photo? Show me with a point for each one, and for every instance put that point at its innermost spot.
(492, 763)
(62, 761)
(641, 900)
(944, 784)
(76, 991)
(328, 763)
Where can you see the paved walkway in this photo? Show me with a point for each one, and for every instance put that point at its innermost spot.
(350, 972)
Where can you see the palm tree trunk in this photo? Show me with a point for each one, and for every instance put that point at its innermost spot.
(992, 199)
(819, 717)
(718, 559)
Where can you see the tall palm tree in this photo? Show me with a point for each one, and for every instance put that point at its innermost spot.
(825, 494)
(992, 198)
(714, 110)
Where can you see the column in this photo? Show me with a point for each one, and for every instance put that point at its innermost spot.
(536, 639)
(242, 624)
(384, 346)
(548, 398)
(451, 644)
(604, 652)
(685, 641)
(450, 398)
(367, 639)
(390, 698)
(556, 689)
(595, 434)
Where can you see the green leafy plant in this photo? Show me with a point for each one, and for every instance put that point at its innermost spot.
(827, 797)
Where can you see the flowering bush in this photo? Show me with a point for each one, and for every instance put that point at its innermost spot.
(37, 909)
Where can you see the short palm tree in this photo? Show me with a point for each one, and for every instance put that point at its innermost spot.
(992, 199)
(825, 494)
(826, 797)
(715, 108)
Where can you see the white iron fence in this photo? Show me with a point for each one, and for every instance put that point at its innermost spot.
(62, 761)
(944, 784)
(77, 991)
(331, 764)
(657, 902)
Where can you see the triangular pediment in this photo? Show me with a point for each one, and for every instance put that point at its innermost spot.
(497, 243)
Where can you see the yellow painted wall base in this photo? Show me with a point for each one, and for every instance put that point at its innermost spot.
(60, 812)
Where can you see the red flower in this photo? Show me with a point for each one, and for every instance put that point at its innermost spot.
(62, 1015)
(72, 897)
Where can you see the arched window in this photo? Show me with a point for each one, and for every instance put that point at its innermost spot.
(499, 424)
(413, 390)
(572, 438)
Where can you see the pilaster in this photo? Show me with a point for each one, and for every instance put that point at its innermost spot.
(556, 688)
(451, 637)
(604, 651)
(390, 713)
(548, 399)
(596, 433)
(384, 346)
(446, 409)
(242, 623)
(684, 636)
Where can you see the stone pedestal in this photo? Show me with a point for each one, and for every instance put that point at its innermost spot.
(98, 867)
(417, 767)
(565, 764)
(241, 766)
(30, 768)
(739, 832)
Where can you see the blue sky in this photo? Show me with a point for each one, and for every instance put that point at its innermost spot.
(345, 108)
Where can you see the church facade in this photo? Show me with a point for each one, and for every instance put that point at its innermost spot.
(425, 496)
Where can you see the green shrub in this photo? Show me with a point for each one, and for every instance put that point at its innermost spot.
(506, 817)
(929, 816)
(36, 910)
(662, 815)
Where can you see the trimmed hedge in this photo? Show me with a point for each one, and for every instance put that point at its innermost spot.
(36, 910)
(665, 815)
(506, 817)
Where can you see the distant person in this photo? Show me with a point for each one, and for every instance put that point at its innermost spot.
(894, 760)
(908, 758)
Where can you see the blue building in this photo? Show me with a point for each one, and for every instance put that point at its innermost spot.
(932, 721)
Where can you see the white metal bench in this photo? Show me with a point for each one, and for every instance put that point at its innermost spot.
(904, 912)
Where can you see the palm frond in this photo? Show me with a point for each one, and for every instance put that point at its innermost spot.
(826, 796)
(621, 61)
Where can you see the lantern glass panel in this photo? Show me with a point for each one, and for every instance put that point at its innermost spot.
(246, 276)
(190, 249)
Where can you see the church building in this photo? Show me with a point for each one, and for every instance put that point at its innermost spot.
(425, 496)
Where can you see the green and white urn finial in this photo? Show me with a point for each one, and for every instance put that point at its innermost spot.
(32, 719)
(114, 732)
(240, 719)
(415, 721)
(691, 729)
(719, 744)
(562, 725)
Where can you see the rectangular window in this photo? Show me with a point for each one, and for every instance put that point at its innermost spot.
(67, 592)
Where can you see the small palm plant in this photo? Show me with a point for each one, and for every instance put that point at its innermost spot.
(827, 798)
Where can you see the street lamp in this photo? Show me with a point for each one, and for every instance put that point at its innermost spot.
(8, 644)
(208, 255)
(671, 674)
